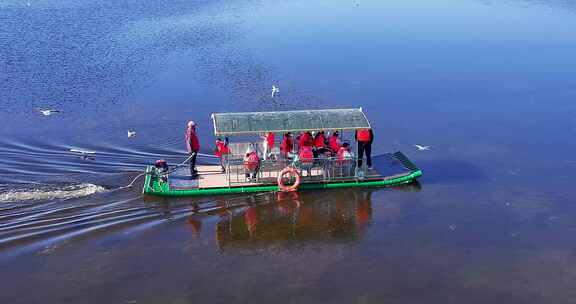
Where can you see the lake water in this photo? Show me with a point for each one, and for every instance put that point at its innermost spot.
(489, 85)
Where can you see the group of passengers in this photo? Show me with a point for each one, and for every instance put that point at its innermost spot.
(310, 146)
(313, 145)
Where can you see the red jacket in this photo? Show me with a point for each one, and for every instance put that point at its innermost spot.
(287, 145)
(334, 143)
(306, 155)
(364, 135)
(319, 141)
(306, 140)
(270, 140)
(343, 155)
(221, 148)
(192, 143)
(251, 161)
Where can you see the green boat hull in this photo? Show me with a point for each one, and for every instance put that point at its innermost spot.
(152, 186)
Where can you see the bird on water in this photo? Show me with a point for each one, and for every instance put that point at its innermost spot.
(48, 112)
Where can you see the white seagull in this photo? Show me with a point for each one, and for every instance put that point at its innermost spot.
(131, 133)
(48, 112)
(275, 90)
(85, 155)
(422, 148)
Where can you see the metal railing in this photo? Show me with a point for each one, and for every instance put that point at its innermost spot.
(319, 169)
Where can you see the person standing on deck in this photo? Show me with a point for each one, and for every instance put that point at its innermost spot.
(364, 138)
(192, 145)
(287, 145)
(268, 144)
(222, 150)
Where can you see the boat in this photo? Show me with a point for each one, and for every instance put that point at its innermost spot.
(325, 172)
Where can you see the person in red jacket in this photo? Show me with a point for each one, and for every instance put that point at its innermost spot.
(344, 159)
(222, 150)
(251, 163)
(344, 154)
(320, 144)
(193, 146)
(306, 140)
(268, 144)
(334, 142)
(287, 145)
(365, 138)
(320, 140)
(306, 156)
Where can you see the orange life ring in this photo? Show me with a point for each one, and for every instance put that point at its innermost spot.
(293, 187)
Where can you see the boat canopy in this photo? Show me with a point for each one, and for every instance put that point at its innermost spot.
(289, 121)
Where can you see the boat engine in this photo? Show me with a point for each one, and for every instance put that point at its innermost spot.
(162, 169)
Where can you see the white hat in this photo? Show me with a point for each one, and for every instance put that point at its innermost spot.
(191, 124)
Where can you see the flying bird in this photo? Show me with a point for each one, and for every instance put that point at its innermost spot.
(422, 148)
(275, 90)
(85, 155)
(82, 151)
(131, 133)
(48, 112)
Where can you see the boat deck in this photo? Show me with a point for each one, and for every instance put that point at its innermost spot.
(210, 176)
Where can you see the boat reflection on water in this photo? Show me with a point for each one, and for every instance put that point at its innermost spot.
(195, 226)
(328, 216)
(261, 220)
(331, 216)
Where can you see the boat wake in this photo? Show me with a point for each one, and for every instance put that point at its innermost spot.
(50, 193)
(46, 227)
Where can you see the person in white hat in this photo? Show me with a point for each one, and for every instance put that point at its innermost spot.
(192, 145)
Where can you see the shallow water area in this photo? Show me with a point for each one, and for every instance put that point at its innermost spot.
(488, 85)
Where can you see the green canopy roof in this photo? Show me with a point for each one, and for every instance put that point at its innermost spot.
(289, 121)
